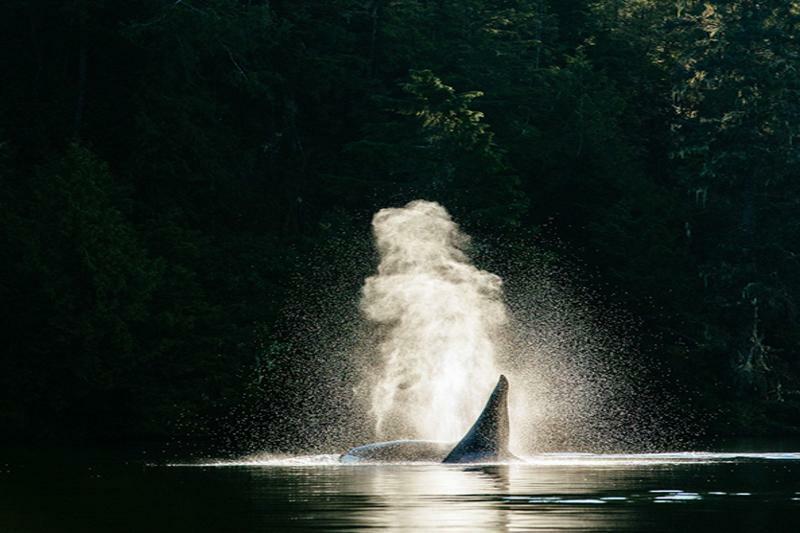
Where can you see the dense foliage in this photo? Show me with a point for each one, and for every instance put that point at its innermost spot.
(167, 166)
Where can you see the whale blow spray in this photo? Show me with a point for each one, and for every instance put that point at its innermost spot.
(437, 316)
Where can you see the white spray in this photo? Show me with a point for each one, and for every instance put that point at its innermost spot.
(438, 317)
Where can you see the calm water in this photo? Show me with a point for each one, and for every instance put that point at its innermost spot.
(575, 492)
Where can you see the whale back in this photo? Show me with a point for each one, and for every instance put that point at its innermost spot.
(487, 439)
(398, 451)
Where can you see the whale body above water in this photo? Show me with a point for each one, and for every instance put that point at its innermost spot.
(485, 442)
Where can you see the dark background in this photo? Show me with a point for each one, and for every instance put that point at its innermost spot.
(168, 167)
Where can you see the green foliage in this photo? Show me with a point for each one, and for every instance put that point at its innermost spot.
(169, 167)
(432, 144)
(737, 108)
(82, 283)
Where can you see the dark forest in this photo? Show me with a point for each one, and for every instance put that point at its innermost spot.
(168, 167)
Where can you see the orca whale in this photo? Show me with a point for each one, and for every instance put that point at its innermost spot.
(485, 442)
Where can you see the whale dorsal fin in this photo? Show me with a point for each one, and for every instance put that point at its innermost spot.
(487, 439)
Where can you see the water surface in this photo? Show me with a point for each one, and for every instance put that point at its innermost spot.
(686, 491)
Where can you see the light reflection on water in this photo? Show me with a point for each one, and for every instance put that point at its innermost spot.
(623, 492)
(575, 492)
